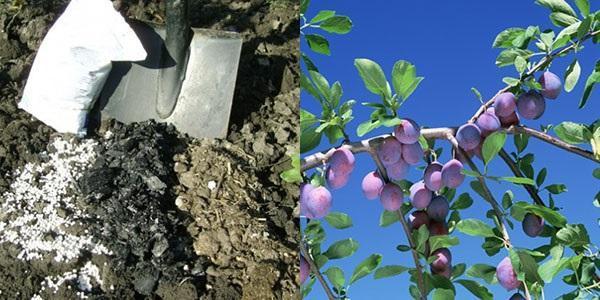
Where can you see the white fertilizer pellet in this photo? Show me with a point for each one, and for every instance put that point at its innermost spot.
(39, 208)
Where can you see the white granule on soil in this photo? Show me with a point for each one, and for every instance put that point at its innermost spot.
(38, 208)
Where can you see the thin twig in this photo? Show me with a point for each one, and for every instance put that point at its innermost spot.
(515, 169)
(315, 270)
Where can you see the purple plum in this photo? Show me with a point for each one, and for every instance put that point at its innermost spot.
(506, 275)
(389, 151)
(437, 228)
(447, 272)
(318, 203)
(533, 225)
(372, 184)
(304, 269)
(488, 122)
(443, 259)
(531, 105)
(433, 176)
(398, 170)
(451, 174)
(505, 104)
(417, 219)
(407, 132)
(341, 161)
(336, 180)
(305, 189)
(551, 85)
(391, 197)
(412, 153)
(512, 119)
(468, 136)
(420, 196)
(438, 208)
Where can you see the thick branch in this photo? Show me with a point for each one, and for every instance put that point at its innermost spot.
(515, 169)
(541, 64)
(553, 141)
(315, 270)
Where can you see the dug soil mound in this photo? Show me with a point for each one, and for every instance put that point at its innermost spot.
(138, 211)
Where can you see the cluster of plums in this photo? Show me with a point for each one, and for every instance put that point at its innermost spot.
(530, 105)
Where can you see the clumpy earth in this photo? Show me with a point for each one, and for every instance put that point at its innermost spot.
(173, 217)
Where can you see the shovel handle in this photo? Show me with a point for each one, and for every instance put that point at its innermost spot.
(176, 42)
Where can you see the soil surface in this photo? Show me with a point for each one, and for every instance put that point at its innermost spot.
(139, 211)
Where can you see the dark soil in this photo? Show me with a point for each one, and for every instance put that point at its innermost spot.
(185, 219)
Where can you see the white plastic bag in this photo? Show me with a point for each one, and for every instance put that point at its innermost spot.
(73, 62)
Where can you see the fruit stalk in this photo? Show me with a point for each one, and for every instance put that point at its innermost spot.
(515, 169)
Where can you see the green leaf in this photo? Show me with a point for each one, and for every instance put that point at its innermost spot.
(307, 119)
(372, 75)
(442, 241)
(572, 75)
(589, 85)
(307, 85)
(564, 36)
(477, 94)
(518, 180)
(476, 289)
(389, 271)
(470, 173)
(321, 84)
(520, 65)
(464, 201)
(443, 294)
(492, 145)
(510, 81)
(507, 199)
(339, 220)
(293, 175)
(322, 15)
(584, 27)
(366, 267)
(508, 56)
(573, 133)
(420, 236)
(551, 216)
(404, 78)
(574, 236)
(541, 177)
(321, 260)
(310, 65)
(521, 140)
(475, 227)
(318, 43)
(556, 188)
(367, 127)
(388, 218)
(336, 93)
(304, 6)
(557, 6)
(341, 249)
(483, 271)
(583, 6)
(596, 173)
(505, 38)
(403, 248)
(562, 19)
(529, 266)
(337, 24)
(336, 277)
(553, 266)
(458, 270)
(309, 139)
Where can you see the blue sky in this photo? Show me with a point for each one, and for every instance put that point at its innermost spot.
(450, 43)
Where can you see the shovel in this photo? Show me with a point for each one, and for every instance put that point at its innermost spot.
(188, 78)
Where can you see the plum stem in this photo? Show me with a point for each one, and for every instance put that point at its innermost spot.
(315, 270)
(538, 66)
(515, 169)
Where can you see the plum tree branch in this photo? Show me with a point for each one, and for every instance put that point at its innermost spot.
(553, 141)
(539, 65)
(409, 237)
(515, 169)
(315, 270)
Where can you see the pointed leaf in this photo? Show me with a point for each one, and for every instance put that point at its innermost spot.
(366, 267)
